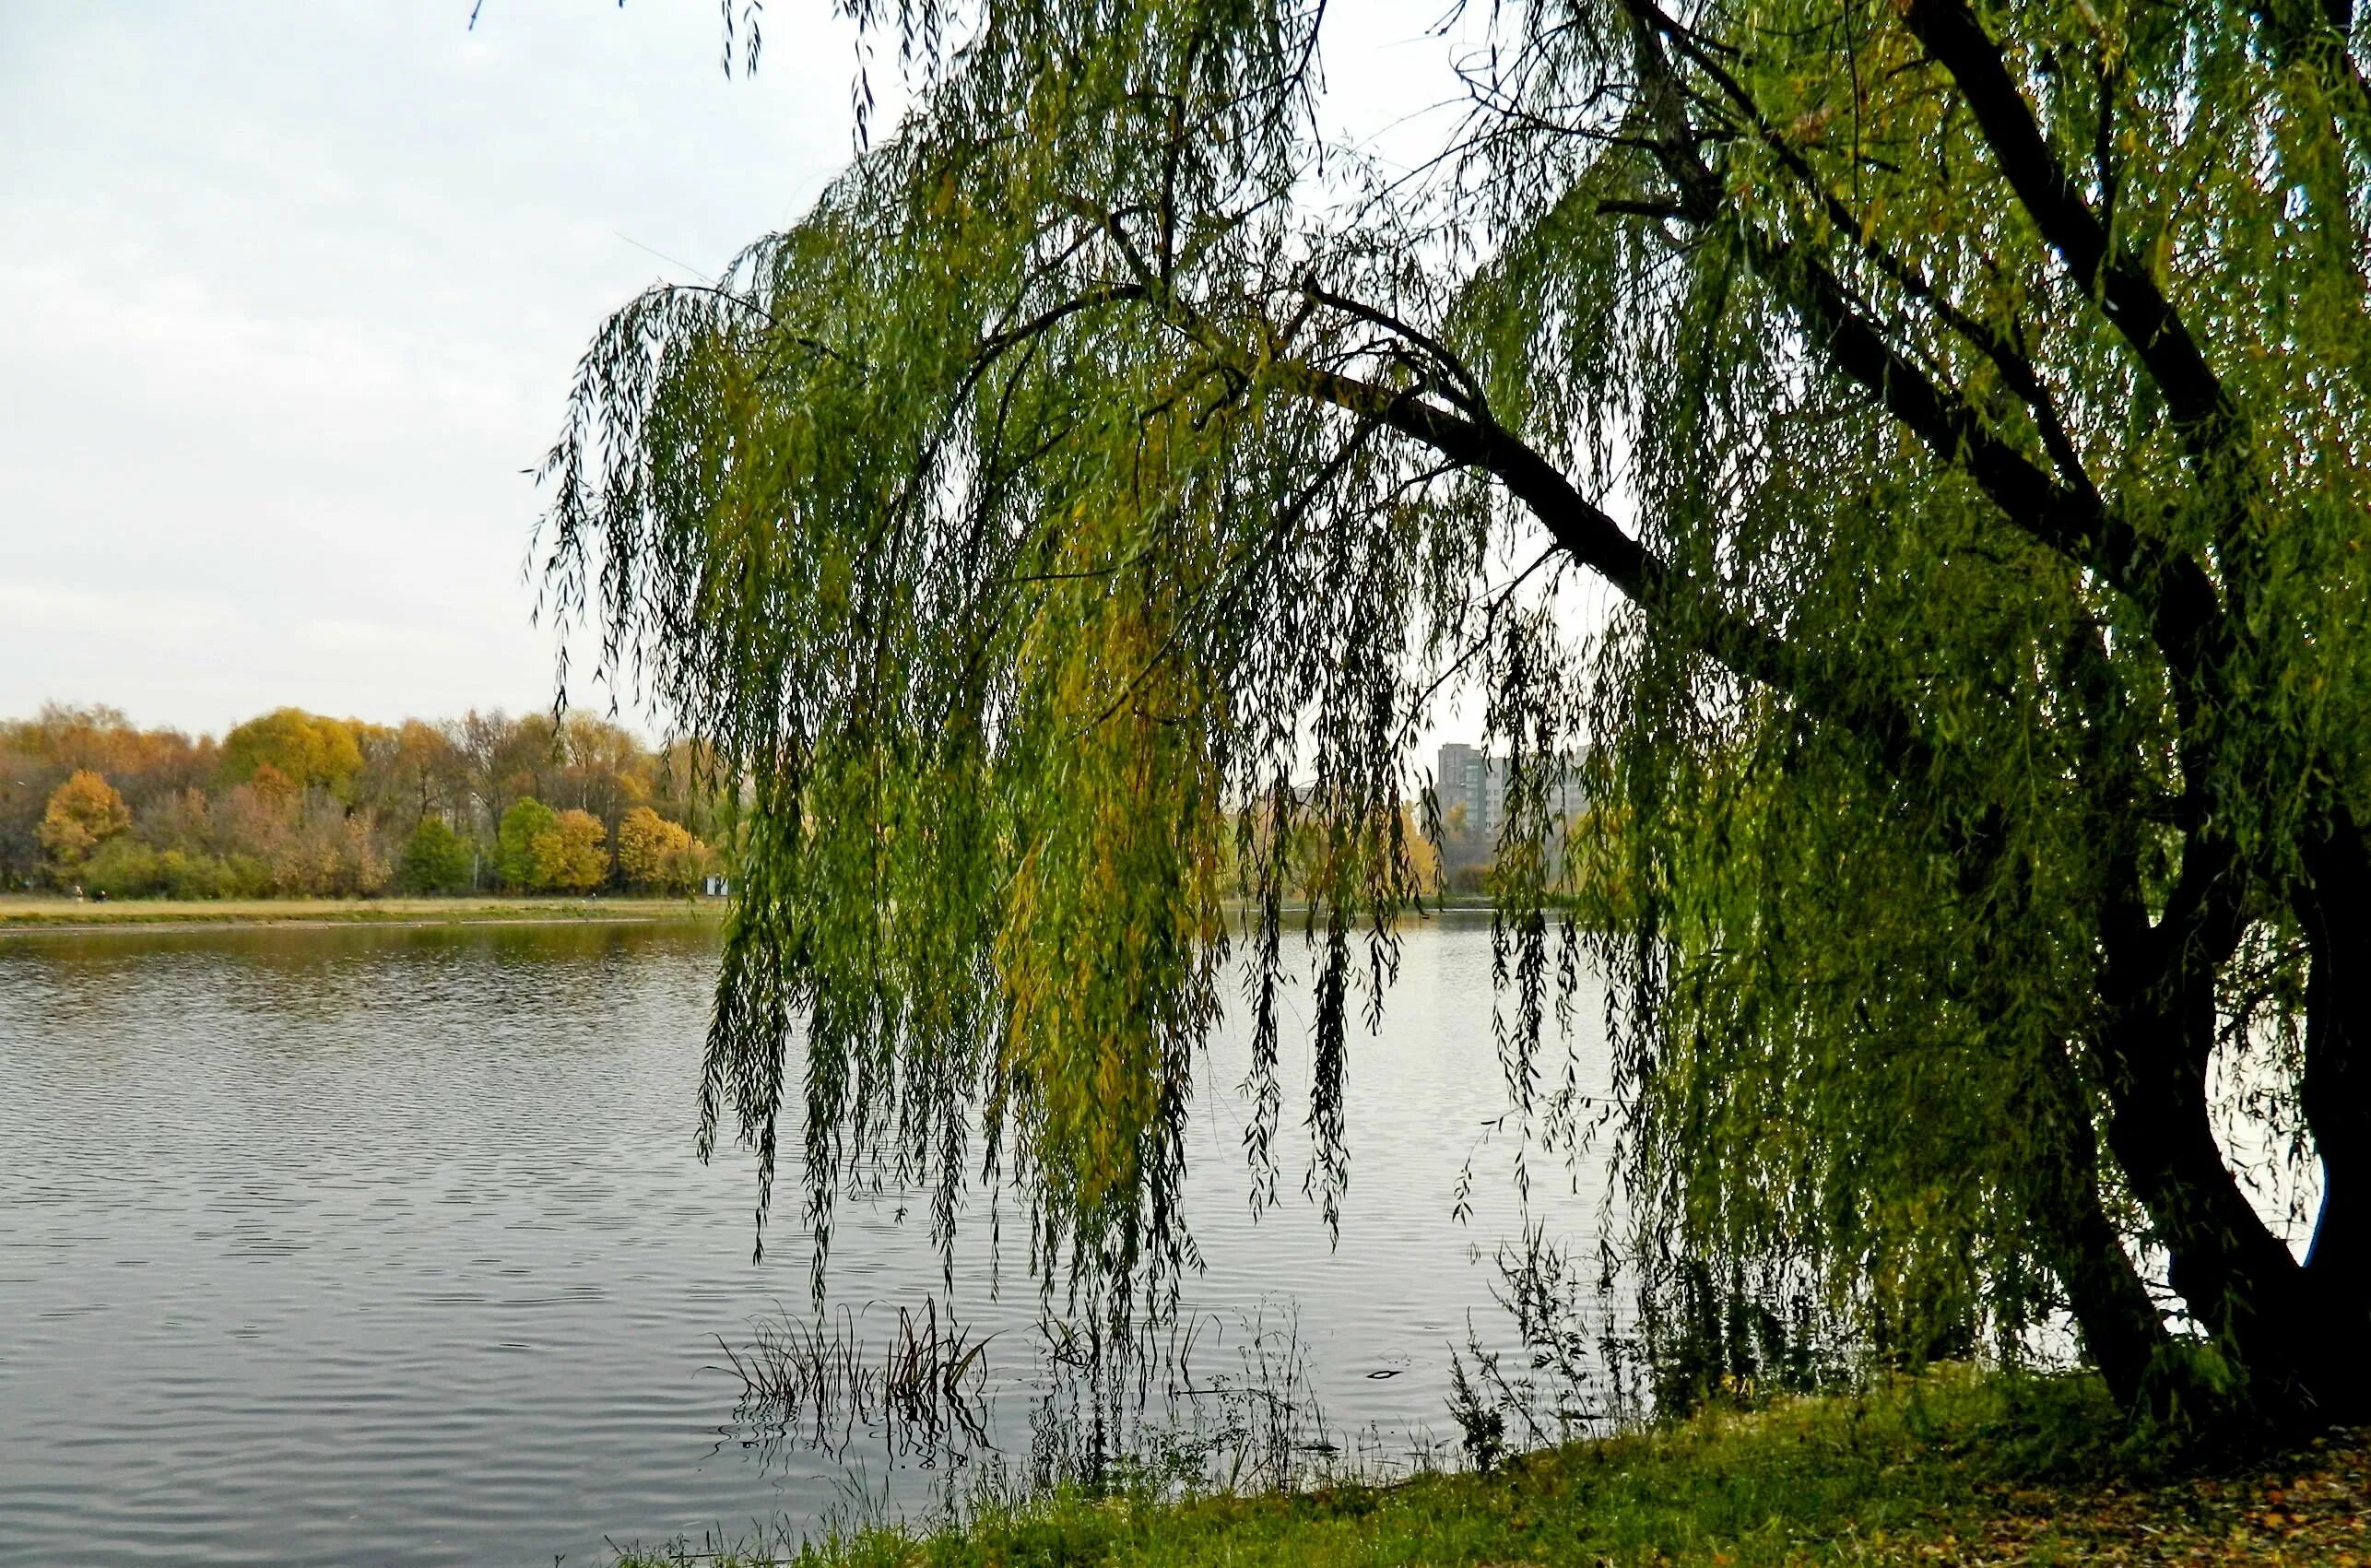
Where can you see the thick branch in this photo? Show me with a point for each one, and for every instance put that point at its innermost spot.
(2186, 614)
(2070, 521)
(1742, 647)
(1466, 391)
(2126, 290)
(2017, 371)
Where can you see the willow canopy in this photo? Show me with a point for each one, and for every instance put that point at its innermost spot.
(1062, 531)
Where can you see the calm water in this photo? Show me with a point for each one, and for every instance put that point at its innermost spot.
(388, 1247)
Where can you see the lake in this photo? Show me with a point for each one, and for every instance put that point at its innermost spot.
(388, 1245)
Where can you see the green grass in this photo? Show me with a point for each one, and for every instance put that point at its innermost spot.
(19, 913)
(1950, 1467)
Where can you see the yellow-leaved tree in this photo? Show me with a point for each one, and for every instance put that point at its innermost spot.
(83, 813)
(308, 749)
(568, 855)
(655, 852)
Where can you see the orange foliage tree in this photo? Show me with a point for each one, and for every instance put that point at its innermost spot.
(84, 812)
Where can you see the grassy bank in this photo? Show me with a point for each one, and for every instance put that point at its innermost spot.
(24, 913)
(1949, 1468)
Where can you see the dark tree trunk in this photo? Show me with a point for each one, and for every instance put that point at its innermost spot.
(2239, 1280)
(2337, 1103)
(2335, 911)
(2122, 1327)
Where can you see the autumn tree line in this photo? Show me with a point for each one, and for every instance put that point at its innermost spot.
(293, 804)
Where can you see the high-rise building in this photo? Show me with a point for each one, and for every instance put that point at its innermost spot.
(1470, 787)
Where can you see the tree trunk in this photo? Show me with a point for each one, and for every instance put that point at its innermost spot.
(2337, 1103)
(2122, 1328)
(2241, 1282)
(2336, 1097)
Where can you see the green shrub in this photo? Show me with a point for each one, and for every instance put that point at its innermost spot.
(436, 860)
(514, 856)
(123, 867)
(187, 874)
(126, 869)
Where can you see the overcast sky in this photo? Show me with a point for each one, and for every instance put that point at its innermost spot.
(292, 292)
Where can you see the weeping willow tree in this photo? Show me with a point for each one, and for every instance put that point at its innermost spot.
(1067, 529)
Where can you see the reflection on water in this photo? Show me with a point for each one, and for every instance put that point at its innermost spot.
(820, 1385)
(1202, 1400)
(388, 1245)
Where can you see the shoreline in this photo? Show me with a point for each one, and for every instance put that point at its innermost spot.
(150, 915)
(50, 913)
(1955, 1465)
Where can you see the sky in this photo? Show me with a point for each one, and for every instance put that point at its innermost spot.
(293, 292)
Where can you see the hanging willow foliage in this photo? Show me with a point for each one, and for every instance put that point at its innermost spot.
(1066, 525)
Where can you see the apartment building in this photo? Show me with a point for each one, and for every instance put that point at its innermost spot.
(1470, 786)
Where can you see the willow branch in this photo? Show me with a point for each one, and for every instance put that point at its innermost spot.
(2186, 614)
(2017, 371)
(1744, 647)
(2127, 292)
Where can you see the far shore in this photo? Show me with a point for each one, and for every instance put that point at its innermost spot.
(53, 912)
(20, 913)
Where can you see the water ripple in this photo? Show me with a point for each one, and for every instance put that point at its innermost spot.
(388, 1247)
